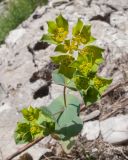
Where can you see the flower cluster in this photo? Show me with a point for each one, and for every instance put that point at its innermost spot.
(80, 70)
(78, 60)
(36, 123)
(60, 34)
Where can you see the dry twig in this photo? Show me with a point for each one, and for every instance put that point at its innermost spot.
(24, 148)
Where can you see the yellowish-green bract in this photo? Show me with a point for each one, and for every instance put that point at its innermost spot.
(78, 73)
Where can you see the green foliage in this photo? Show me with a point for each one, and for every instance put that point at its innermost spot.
(68, 123)
(76, 72)
(17, 11)
(58, 30)
(81, 71)
(60, 79)
(36, 123)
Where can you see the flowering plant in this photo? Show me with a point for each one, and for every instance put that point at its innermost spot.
(78, 61)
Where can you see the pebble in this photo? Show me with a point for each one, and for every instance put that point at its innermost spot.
(91, 116)
(91, 130)
(115, 130)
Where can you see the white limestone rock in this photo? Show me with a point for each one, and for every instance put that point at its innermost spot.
(14, 36)
(91, 115)
(115, 130)
(91, 130)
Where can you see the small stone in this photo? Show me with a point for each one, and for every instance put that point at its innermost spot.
(91, 130)
(120, 20)
(115, 130)
(91, 116)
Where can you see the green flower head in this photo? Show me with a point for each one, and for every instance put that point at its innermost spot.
(57, 29)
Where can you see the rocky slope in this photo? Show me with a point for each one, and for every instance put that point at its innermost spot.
(25, 66)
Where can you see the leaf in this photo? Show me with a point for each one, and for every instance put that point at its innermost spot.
(47, 121)
(101, 83)
(48, 38)
(69, 124)
(77, 28)
(51, 26)
(30, 113)
(66, 71)
(92, 39)
(75, 64)
(62, 22)
(60, 79)
(22, 133)
(94, 68)
(85, 34)
(91, 95)
(65, 59)
(70, 84)
(60, 48)
(81, 82)
(95, 52)
(57, 106)
(45, 115)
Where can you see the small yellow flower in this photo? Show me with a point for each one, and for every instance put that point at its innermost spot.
(60, 34)
(83, 40)
(85, 68)
(71, 46)
(35, 129)
(79, 39)
(84, 51)
(98, 83)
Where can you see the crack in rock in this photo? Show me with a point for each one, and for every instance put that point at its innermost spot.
(45, 73)
(105, 18)
(42, 91)
(40, 45)
(33, 55)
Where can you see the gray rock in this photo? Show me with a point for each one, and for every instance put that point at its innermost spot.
(91, 130)
(115, 130)
(17, 64)
(118, 4)
(119, 19)
(91, 116)
(14, 36)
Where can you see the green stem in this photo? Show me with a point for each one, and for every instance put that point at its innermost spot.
(65, 96)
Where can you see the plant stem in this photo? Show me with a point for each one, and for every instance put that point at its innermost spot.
(65, 96)
(24, 148)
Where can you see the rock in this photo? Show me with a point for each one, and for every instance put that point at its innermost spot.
(115, 130)
(18, 64)
(14, 36)
(119, 19)
(118, 4)
(91, 116)
(91, 130)
(5, 107)
(56, 3)
(3, 93)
